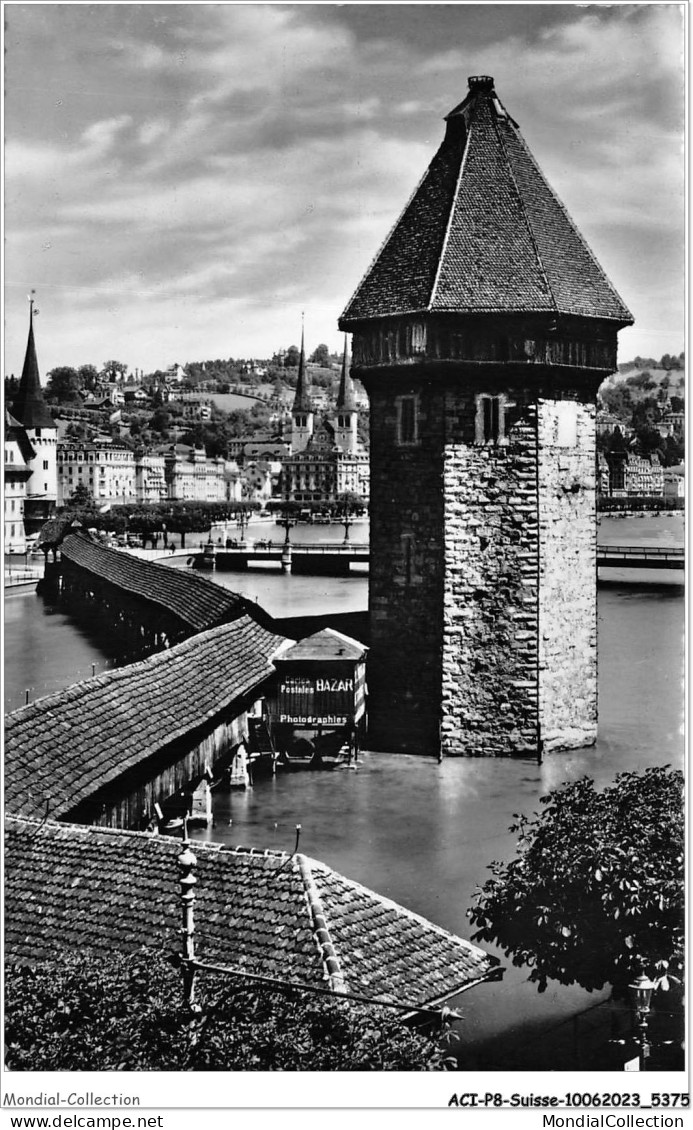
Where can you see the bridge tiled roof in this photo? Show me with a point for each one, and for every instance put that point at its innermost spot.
(484, 233)
(72, 887)
(63, 748)
(196, 601)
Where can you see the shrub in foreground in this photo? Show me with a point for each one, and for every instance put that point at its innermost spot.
(85, 1013)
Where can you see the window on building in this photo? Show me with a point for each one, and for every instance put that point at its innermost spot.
(407, 420)
(38, 433)
(490, 419)
(45, 464)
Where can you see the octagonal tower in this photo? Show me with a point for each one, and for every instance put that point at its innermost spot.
(482, 331)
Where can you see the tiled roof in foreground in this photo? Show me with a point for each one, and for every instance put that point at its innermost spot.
(72, 887)
(193, 599)
(62, 748)
(484, 233)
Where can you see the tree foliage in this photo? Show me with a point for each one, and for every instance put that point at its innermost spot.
(321, 355)
(125, 1013)
(64, 384)
(596, 892)
(81, 498)
(114, 370)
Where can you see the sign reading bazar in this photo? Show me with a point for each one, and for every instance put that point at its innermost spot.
(294, 684)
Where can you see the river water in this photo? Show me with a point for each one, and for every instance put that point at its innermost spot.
(416, 831)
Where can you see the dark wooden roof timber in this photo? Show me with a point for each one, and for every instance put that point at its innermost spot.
(484, 234)
(65, 747)
(72, 887)
(195, 600)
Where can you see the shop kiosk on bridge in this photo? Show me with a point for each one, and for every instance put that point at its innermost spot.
(317, 711)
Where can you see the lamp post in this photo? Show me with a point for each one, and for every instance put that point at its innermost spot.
(640, 997)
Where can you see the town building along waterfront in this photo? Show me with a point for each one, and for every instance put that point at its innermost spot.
(481, 333)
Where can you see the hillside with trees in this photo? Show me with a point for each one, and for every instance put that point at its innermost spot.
(639, 396)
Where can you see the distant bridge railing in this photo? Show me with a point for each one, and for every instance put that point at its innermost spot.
(641, 557)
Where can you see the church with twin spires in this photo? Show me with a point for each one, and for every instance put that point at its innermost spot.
(326, 458)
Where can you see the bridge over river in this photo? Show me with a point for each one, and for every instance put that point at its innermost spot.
(640, 557)
(333, 559)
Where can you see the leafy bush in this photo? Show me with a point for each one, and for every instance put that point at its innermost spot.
(596, 893)
(126, 1014)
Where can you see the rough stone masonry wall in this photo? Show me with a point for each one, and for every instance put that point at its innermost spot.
(568, 574)
(490, 647)
(406, 574)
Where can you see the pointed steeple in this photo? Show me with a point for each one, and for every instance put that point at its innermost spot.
(302, 401)
(346, 398)
(484, 234)
(29, 407)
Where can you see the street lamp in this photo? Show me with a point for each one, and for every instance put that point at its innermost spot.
(640, 997)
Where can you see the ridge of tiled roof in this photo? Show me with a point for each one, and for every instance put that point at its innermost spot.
(28, 406)
(483, 233)
(289, 917)
(193, 599)
(387, 949)
(65, 747)
(328, 954)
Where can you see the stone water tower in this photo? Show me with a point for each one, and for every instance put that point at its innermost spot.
(482, 331)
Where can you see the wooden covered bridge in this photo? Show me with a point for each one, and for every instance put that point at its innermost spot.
(111, 749)
(147, 605)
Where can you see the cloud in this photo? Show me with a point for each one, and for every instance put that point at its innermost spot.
(244, 162)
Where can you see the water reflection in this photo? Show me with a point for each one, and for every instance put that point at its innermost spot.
(416, 831)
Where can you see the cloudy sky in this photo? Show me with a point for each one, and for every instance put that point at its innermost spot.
(182, 180)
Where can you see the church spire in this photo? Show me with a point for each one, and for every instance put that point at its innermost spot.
(346, 399)
(302, 401)
(29, 407)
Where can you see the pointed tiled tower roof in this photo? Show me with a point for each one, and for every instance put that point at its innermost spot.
(15, 431)
(28, 406)
(302, 401)
(346, 398)
(484, 233)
